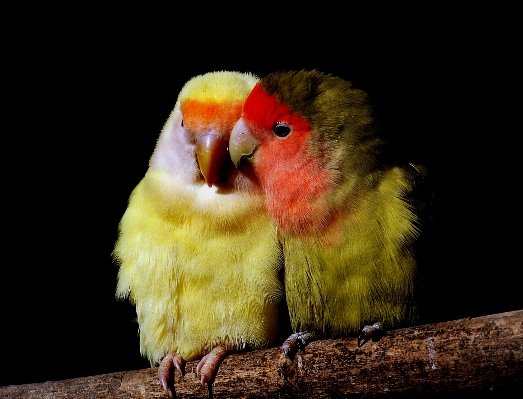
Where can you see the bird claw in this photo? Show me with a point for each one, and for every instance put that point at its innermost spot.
(297, 341)
(166, 371)
(208, 366)
(179, 363)
(374, 331)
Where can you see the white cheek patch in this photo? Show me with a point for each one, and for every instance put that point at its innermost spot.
(175, 151)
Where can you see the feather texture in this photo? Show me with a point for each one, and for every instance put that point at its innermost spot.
(202, 264)
(345, 216)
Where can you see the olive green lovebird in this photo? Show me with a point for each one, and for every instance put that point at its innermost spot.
(198, 253)
(347, 215)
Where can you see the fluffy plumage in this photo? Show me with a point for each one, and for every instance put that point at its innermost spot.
(198, 254)
(346, 215)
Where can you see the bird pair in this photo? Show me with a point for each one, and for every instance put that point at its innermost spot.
(269, 207)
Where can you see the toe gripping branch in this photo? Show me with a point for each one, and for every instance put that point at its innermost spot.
(166, 371)
(297, 341)
(374, 332)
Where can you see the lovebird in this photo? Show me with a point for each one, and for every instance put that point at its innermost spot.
(348, 214)
(198, 253)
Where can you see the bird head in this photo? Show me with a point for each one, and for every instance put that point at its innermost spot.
(304, 133)
(210, 104)
(194, 142)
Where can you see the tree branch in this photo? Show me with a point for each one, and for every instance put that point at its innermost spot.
(483, 354)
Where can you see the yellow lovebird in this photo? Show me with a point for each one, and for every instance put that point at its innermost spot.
(198, 253)
(347, 214)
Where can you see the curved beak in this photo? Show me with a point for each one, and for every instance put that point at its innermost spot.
(242, 145)
(211, 153)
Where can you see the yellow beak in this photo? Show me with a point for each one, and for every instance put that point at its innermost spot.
(242, 145)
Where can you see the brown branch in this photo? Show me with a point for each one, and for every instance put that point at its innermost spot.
(465, 356)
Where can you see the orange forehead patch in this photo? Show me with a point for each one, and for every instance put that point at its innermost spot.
(206, 113)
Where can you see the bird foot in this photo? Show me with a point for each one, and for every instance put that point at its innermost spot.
(297, 341)
(373, 332)
(166, 371)
(208, 367)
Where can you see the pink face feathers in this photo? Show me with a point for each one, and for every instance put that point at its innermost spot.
(295, 181)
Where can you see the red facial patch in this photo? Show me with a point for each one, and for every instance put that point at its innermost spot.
(295, 179)
(213, 114)
(265, 110)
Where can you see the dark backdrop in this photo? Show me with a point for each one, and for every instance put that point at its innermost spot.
(92, 94)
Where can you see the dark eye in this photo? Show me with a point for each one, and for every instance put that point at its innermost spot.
(282, 129)
(182, 122)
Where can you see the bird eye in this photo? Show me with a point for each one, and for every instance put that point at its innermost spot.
(282, 129)
(182, 122)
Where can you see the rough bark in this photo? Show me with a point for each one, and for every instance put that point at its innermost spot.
(478, 355)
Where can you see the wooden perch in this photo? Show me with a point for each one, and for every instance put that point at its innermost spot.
(483, 354)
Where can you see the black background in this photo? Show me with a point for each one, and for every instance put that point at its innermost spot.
(91, 93)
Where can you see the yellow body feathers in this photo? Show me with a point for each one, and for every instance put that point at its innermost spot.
(363, 272)
(345, 209)
(201, 264)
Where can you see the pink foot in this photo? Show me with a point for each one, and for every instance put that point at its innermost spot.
(208, 366)
(166, 371)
